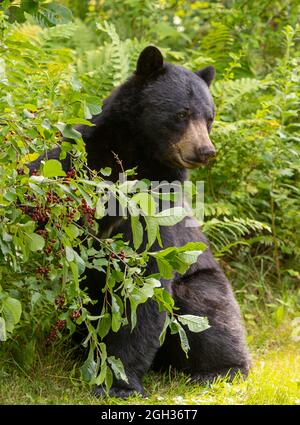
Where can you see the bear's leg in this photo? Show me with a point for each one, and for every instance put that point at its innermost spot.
(136, 349)
(218, 351)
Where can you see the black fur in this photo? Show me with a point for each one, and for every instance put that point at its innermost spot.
(139, 123)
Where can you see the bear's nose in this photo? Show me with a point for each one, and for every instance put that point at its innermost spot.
(205, 153)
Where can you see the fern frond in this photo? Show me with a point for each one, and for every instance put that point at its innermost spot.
(227, 233)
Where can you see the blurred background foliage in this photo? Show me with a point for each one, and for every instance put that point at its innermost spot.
(252, 189)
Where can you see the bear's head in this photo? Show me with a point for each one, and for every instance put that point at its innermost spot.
(163, 113)
(175, 110)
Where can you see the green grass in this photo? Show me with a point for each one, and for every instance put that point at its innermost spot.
(274, 379)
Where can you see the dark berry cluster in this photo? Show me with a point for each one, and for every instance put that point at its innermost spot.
(39, 213)
(35, 172)
(121, 255)
(60, 301)
(42, 271)
(58, 326)
(29, 197)
(20, 171)
(42, 232)
(88, 212)
(52, 198)
(49, 247)
(71, 173)
(52, 336)
(70, 215)
(75, 314)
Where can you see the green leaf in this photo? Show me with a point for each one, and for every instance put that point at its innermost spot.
(118, 368)
(72, 231)
(12, 310)
(93, 104)
(177, 328)
(57, 14)
(108, 379)
(104, 325)
(137, 232)
(163, 333)
(3, 336)
(70, 253)
(164, 267)
(68, 131)
(88, 369)
(194, 323)
(53, 168)
(105, 171)
(171, 216)
(152, 230)
(146, 202)
(100, 209)
(36, 242)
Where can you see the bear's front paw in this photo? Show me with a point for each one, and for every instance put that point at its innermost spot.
(119, 392)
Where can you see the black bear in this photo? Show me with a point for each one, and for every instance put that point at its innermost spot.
(159, 120)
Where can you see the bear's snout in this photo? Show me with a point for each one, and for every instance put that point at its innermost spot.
(206, 153)
(194, 146)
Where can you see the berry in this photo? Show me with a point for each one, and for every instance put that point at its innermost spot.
(30, 197)
(42, 232)
(71, 173)
(42, 271)
(35, 172)
(20, 171)
(48, 250)
(52, 198)
(60, 324)
(75, 314)
(52, 336)
(59, 300)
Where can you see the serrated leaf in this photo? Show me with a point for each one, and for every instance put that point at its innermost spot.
(163, 333)
(68, 131)
(88, 369)
(36, 242)
(72, 231)
(3, 336)
(194, 323)
(104, 325)
(152, 230)
(100, 209)
(164, 267)
(146, 202)
(118, 368)
(53, 168)
(137, 232)
(12, 310)
(171, 216)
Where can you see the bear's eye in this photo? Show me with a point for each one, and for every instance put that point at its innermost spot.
(182, 115)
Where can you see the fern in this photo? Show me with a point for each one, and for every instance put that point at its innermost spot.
(218, 42)
(225, 234)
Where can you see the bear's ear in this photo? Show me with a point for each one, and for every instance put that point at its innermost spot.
(149, 61)
(207, 74)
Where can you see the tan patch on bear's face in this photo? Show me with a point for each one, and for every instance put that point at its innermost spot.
(186, 152)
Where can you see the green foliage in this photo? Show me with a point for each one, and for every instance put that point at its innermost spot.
(48, 226)
(58, 62)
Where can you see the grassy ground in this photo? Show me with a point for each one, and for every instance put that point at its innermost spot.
(274, 379)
